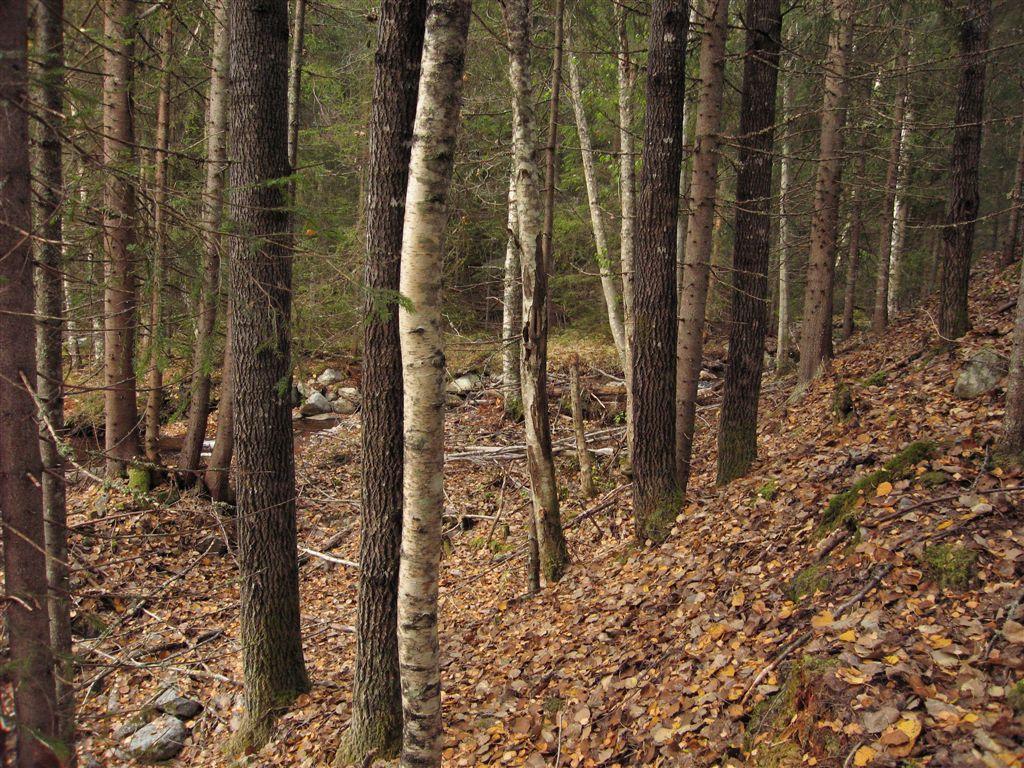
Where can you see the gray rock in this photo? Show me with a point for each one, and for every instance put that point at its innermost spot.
(323, 417)
(981, 374)
(315, 405)
(465, 383)
(345, 406)
(349, 393)
(171, 702)
(161, 740)
(329, 376)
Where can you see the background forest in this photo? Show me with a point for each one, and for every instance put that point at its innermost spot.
(505, 382)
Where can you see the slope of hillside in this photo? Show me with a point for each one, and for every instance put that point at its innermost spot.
(779, 625)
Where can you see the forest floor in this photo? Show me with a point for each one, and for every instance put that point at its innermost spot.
(759, 634)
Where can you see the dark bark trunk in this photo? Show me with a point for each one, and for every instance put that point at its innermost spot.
(737, 432)
(376, 694)
(49, 40)
(856, 232)
(958, 236)
(655, 490)
(213, 206)
(272, 660)
(119, 293)
(1012, 243)
(30, 667)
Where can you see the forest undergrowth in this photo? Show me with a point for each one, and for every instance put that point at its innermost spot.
(774, 627)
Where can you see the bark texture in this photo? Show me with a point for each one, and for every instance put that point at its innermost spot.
(30, 666)
(816, 330)
(856, 234)
(422, 339)
(50, 305)
(272, 661)
(119, 293)
(626, 79)
(512, 309)
(655, 488)
(213, 207)
(1014, 233)
(554, 556)
(376, 693)
(700, 233)
(782, 336)
(218, 472)
(1011, 442)
(737, 430)
(962, 213)
(579, 429)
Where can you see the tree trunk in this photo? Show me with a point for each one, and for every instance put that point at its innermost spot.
(298, 33)
(958, 236)
(554, 556)
(604, 264)
(376, 694)
(699, 235)
(212, 212)
(422, 341)
(1011, 443)
(579, 429)
(1014, 233)
(217, 478)
(272, 661)
(683, 218)
(512, 309)
(30, 665)
(50, 303)
(816, 330)
(782, 337)
(626, 75)
(655, 490)
(737, 431)
(899, 232)
(119, 299)
(880, 316)
(856, 233)
(155, 380)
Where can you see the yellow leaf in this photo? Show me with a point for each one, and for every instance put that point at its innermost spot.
(892, 658)
(848, 636)
(822, 620)
(863, 756)
(911, 726)
(883, 489)
(737, 598)
(944, 525)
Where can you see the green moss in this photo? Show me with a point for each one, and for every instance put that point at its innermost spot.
(1015, 696)
(841, 509)
(876, 379)
(656, 522)
(807, 582)
(951, 565)
(381, 736)
(933, 479)
(139, 479)
(843, 407)
(769, 490)
(553, 705)
(903, 463)
(778, 710)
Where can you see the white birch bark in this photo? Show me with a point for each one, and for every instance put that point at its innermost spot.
(422, 341)
(608, 287)
(782, 338)
(512, 307)
(899, 230)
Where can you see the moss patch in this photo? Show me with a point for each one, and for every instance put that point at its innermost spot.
(904, 462)
(807, 582)
(876, 379)
(843, 408)
(1015, 696)
(769, 490)
(933, 479)
(951, 565)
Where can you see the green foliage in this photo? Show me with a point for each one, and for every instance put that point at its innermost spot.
(904, 462)
(769, 489)
(951, 565)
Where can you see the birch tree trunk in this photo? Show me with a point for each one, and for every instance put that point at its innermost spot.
(212, 213)
(30, 665)
(376, 726)
(816, 328)
(51, 289)
(155, 378)
(217, 477)
(273, 666)
(604, 264)
(880, 315)
(737, 430)
(899, 232)
(683, 219)
(958, 235)
(422, 340)
(119, 299)
(554, 555)
(700, 234)
(579, 430)
(512, 309)
(298, 34)
(782, 339)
